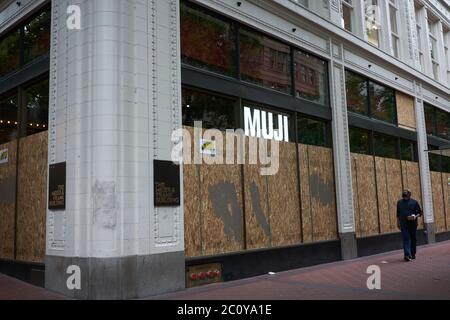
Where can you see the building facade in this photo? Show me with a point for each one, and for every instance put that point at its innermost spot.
(91, 93)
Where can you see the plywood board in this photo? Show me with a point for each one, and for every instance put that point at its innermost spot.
(322, 192)
(395, 188)
(446, 194)
(367, 196)
(383, 195)
(257, 217)
(438, 201)
(405, 111)
(284, 198)
(7, 201)
(305, 196)
(411, 180)
(354, 160)
(221, 209)
(32, 198)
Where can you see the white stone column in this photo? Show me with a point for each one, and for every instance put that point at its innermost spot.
(341, 151)
(425, 177)
(115, 100)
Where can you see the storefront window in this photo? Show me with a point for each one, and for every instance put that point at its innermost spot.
(8, 119)
(207, 41)
(37, 37)
(264, 61)
(215, 112)
(359, 141)
(407, 150)
(37, 97)
(434, 159)
(311, 78)
(357, 92)
(442, 124)
(382, 103)
(10, 53)
(312, 132)
(429, 119)
(385, 146)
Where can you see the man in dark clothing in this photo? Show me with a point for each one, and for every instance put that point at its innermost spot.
(408, 211)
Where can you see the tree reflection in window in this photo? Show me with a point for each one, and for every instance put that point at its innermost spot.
(8, 119)
(37, 36)
(37, 97)
(9, 52)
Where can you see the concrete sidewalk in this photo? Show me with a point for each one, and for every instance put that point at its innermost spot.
(428, 277)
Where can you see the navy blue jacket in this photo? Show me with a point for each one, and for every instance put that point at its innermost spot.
(407, 208)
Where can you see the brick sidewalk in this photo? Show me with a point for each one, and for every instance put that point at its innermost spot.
(426, 278)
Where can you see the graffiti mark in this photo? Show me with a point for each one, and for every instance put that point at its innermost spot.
(256, 204)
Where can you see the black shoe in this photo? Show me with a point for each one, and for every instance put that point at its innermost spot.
(413, 257)
(408, 259)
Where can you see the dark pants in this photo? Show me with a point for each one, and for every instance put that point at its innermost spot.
(409, 231)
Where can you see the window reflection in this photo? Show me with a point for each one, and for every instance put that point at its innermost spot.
(207, 42)
(8, 119)
(264, 61)
(37, 37)
(312, 132)
(9, 52)
(385, 146)
(359, 141)
(382, 103)
(37, 97)
(311, 78)
(357, 92)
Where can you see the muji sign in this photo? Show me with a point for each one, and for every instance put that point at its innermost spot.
(261, 124)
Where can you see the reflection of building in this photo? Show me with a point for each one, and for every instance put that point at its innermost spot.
(96, 109)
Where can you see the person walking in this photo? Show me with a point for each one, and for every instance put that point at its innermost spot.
(408, 212)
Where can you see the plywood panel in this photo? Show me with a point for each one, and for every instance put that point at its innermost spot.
(446, 194)
(322, 191)
(221, 209)
(192, 200)
(405, 111)
(438, 201)
(257, 218)
(395, 188)
(306, 215)
(354, 160)
(32, 198)
(411, 180)
(368, 210)
(7, 201)
(382, 194)
(284, 198)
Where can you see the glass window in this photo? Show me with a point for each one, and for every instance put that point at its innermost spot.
(8, 119)
(37, 36)
(385, 146)
(214, 111)
(407, 150)
(429, 119)
(359, 141)
(434, 159)
(442, 124)
(9, 52)
(347, 13)
(312, 132)
(445, 160)
(382, 103)
(37, 97)
(311, 78)
(357, 93)
(207, 41)
(264, 61)
(372, 19)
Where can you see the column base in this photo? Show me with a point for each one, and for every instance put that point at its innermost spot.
(118, 278)
(349, 248)
(430, 231)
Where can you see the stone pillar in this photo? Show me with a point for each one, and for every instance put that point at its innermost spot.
(115, 100)
(341, 150)
(425, 177)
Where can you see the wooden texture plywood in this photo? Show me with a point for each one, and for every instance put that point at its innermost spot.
(446, 194)
(367, 194)
(7, 201)
(257, 217)
(438, 201)
(395, 188)
(221, 209)
(383, 195)
(354, 160)
(405, 111)
(32, 198)
(306, 213)
(284, 198)
(322, 192)
(411, 180)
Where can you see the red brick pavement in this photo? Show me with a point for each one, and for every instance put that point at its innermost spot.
(428, 277)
